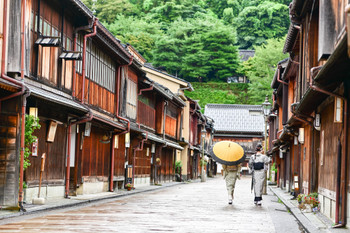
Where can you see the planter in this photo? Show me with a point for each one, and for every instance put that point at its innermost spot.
(128, 188)
(308, 208)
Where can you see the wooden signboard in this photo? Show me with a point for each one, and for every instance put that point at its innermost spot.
(51, 131)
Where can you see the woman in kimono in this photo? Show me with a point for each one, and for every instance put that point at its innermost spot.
(231, 173)
(258, 164)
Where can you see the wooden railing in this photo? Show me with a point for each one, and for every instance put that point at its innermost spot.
(170, 126)
(146, 115)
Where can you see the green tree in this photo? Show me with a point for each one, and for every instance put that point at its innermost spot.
(256, 24)
(204, 49)
(173, 9)
(142, 34)
(260, 69)
(168, 55)
(31, 124)
(107, 10)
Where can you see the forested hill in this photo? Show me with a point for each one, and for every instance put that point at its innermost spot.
(196, 40)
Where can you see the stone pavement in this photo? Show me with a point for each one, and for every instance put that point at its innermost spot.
(80, 200)
(312, 222)
(187, 207)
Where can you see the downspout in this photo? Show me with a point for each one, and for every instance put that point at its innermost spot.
(195, 109)
(24, 103)
(117, 97)
(89, 117)
(84, 57)
(279, 74)
(310, 186)
(278, 132)
(74, 65)
(38, 34)
(75, 33)
(344, 147)
(164, 117)
(146, 89)
(23, 88)
(111, 188)
(70, 123)
(3, 57)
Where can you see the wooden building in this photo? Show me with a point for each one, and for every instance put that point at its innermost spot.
(67, 69)
(178, 126)
(311, 96)
(11, 92)
(156, 130)
(104, 118)
(243, 124)
(200, 140)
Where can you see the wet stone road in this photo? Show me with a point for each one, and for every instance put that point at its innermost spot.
(193, 207)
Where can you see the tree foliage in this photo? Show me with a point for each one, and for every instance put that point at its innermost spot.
(260, 69)
(256, 24)
(140, 33)
(198, 49)
(31, 124)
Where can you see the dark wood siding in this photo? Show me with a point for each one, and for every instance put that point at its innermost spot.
(8, 157)
(146, 115)
(95, 155)
(143, 162)
(328, 152)
(54, 172)
(119, 159)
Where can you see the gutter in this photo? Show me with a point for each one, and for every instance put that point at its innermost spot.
(279, 75)
(164, 118)
(87, 27)
(24, 103)
(146, 89)
(84, 119)
(111, 188)
(84, 58)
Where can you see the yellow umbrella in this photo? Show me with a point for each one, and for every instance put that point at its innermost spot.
(228, 153)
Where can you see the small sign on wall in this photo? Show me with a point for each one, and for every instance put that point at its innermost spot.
(51, 131)
(35, 148)
(87, 129)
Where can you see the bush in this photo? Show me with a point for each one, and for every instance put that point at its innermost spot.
(178, 166)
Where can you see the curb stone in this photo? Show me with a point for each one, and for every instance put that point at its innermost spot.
(307, 221)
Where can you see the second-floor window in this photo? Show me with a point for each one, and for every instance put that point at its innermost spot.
(48, 65)
(131, 99)
(171, 120)
(100, 68)
(146, 111)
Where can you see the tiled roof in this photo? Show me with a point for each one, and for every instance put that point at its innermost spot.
(65, 100)
(291, 37)
(236, 118)
(246, 54)
(149, 66)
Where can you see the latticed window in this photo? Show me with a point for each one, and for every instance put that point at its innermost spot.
(131, 99)
(100, 68)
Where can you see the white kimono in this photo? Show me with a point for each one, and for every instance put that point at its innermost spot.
(261, 161)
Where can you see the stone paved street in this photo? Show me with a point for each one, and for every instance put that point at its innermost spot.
(193, 207)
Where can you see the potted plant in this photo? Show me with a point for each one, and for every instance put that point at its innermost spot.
(128, 186)
(308, 203)
(178, 168)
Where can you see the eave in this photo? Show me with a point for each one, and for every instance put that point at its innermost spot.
(331, 75)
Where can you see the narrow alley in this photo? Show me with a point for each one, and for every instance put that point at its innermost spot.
(190, 207)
